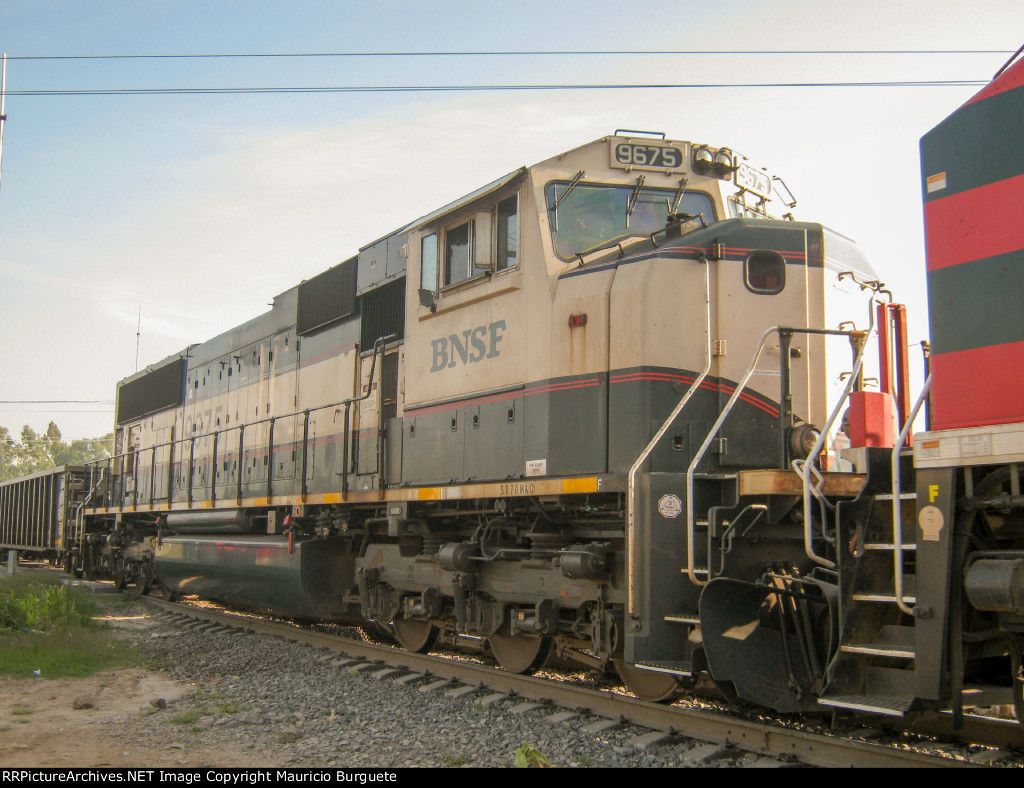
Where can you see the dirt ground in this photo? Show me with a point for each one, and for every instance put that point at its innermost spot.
(94, 721)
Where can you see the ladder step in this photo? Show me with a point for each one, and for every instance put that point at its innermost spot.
(891, 641)
(879, 650)
(675, 668)
(883, 546)
(903, 496)
(884, 597)
(888, 594)
(987, 695)
(877, 704)
(689, 620)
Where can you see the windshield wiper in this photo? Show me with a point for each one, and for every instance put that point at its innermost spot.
(572, 185)
(678, 197)
(631, 205)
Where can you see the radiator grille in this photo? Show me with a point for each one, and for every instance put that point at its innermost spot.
(327, 298)
(383, 313)
(160, 389)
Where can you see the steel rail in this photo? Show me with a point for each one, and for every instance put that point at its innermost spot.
(715, 727)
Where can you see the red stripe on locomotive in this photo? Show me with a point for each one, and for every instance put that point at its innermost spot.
(979, 386)
(975, 224)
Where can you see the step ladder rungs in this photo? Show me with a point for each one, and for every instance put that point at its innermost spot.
(880, 650)
(675, 668)
(888, 496)
(884, 597)
(691, 620)
(883, 546)
(889, 706)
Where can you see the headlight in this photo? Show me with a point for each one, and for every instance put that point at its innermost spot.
(703, 159)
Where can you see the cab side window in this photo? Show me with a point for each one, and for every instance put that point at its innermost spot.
(471, 247)
(428, 263)
(765, 272)
(508, 233)
(458, 253)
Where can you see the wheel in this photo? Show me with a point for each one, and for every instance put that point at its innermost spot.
(649, 685)
(89, 565)
(414, 634)
(375, 632)
(120, 573)
(520, 653)
(143, 578)
(166, 592)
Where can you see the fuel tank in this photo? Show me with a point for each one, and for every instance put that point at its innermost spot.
(302, 578)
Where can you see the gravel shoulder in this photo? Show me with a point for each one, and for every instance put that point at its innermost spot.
(237, 699)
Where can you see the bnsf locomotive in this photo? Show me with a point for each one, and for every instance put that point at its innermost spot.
(612, 407)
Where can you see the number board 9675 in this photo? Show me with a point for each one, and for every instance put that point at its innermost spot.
(641, 156)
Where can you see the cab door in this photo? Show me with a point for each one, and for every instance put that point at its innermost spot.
(761, 281)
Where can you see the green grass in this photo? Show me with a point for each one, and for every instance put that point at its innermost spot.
(187, 717)
(48, 630)
(232, 707)
(33, 605)
(529, 757)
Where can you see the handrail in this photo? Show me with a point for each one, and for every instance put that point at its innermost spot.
(378, 347)
(78, 511)
(897, 509)
(805, 468)
(691, 525)
(635, 468)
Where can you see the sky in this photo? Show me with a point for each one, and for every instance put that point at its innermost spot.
(196, 210)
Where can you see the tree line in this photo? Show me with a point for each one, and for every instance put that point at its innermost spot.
(39, 451)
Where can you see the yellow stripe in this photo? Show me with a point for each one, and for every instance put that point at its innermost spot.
(467, 492)
(579, 485)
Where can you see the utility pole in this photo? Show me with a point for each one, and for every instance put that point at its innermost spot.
(3, 108)
(138, 339)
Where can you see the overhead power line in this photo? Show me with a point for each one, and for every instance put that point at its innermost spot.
(483, 88)
(519, 53)
(50, 412)
(56, 402)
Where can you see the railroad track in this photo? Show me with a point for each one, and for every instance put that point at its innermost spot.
(807, 744)
(665, 722)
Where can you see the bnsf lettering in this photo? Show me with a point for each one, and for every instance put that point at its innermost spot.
(469, 347)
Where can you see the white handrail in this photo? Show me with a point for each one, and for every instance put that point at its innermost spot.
(805, 468)
(808, 464)
(897, 509)
(691, 526)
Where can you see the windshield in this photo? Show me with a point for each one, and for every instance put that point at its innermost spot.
(590, 214)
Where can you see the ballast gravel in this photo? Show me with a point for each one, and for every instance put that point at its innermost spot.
(292, 705)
